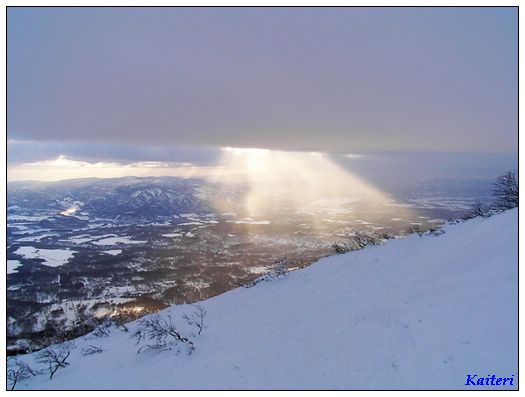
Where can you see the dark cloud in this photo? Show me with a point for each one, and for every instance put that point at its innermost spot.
(339, 79)
(413, 167)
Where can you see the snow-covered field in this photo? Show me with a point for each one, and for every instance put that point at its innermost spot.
(13, 265)
(113, 252)
(51, 257)
(113, 239)
(418, 313)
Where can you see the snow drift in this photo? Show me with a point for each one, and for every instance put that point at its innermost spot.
(418, 313)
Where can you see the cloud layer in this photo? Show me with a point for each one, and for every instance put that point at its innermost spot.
(339, 80)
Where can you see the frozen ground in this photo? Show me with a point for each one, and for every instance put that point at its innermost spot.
(418, 313)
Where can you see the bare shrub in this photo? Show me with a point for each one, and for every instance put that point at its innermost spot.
(55, 357)
(279, 268)
(436, 231)
(477, 209)
(85, 322)
(416, 229)
(17, 371)
(341, 248)
(102, 330)
(358, 241)
(90, 350)
(162, 334)
(120, 321)
(196, 319)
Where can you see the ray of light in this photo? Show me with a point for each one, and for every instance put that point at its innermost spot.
(302, 181)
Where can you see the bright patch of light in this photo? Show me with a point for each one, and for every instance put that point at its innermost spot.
(298, 180)
(64, 168)
(69, 212)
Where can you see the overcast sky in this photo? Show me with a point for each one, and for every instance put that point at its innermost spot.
(159, 84)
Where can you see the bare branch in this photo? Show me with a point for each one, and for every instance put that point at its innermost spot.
(90, 350)
(55, 357)
(162, 332)
(18, 371)
(506, 191)
(196, 319)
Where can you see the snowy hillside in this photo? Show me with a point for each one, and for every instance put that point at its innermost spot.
(418, 313)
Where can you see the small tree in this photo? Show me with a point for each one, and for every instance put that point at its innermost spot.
(102, 330)
(279, 268)
(475, 210)
(55, 357)
(358, 241)
(416, 229)
(506, 192)
(341, 248)
(18, 371)
(162, 332)
(91, 349)
(120, 320)
(196, 319)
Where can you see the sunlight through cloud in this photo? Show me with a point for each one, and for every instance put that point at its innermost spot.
(65, 168)
(303, 181)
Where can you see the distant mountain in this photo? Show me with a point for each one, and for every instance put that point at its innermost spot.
(150, 197)
(117, 198)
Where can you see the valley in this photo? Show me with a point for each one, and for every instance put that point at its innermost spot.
(90, 249)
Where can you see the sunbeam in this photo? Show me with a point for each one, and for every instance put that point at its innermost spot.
(303, 182)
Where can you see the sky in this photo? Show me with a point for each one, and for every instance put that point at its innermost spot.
(144, 89)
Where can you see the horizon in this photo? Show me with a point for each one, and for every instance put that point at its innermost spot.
(454, 165)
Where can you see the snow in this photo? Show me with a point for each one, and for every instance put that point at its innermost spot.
(113, 239)
(17, 226)
(416, 313)
(70, 211)
(80, 239)
(172, 235)
(258, 269)
(51, 257)
(12, 266)
(189, 215)
(113, 252)
(26, 218)
(197, 284)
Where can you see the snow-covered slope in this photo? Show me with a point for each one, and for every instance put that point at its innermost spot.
(418, 313)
